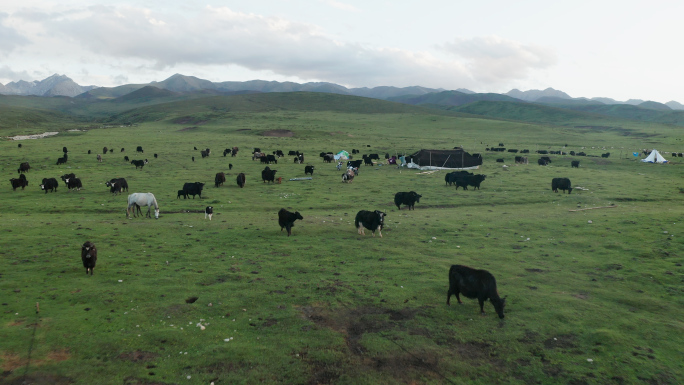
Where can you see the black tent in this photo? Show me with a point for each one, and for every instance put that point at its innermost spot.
(456, 158)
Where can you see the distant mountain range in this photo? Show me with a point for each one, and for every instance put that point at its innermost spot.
(61, 85)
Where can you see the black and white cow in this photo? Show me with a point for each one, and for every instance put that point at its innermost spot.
(49, 184)
(139, 163)
(286, 220)
(371, 220)
(208, 212)
(73, 183)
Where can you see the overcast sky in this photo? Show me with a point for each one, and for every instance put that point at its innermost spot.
(618, 49)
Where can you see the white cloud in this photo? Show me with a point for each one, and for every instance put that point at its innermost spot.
(492, 59)
(12, 75)
(10, 39)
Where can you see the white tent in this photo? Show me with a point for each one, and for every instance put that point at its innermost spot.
(343, 155)
(654, 157)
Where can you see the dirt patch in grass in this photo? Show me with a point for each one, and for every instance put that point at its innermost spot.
(142, 381)
(188, 128)
(39, 379)
(279, 133)
(405, 364)
(138, 356)
(563, 341)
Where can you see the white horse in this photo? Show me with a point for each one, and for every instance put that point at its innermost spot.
(143, 199)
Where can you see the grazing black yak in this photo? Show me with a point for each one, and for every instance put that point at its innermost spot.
(241, 180)
(474, 283)
(89, 256)
(406, 198)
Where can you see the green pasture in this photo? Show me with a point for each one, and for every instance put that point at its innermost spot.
(593, 296)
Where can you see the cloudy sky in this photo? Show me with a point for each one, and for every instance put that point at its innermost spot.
(618, 49)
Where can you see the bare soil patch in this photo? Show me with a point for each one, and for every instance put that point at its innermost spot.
(39, 379)
(279, 133)
(138, 356)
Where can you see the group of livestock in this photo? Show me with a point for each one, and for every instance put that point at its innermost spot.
(472, 283)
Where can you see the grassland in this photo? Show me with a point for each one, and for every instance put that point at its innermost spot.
(594, 296)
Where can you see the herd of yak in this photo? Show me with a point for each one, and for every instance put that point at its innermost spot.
(472, 283)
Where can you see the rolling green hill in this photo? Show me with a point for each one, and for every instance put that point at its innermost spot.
(450, 98)
(16, 120)
(216, 107)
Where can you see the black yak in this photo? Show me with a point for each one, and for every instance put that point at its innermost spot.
(475, 283)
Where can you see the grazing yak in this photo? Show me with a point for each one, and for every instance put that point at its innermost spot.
(562, 184)
(308, 170)
(66, 176)
(139, 149)
(62, 160)
(474, 283)
(208, 212)
(575, 164)
(117, 185)
(49, 184)
(126, 158)
(182, 193)
(406, 198)
(104, 150)
(139, 163)
(241, 180)
(542, 162)
(521, 160)
(286, 220)
(89, 256)
(99, 158)
(194, 189)
(219, 179)
(371, 220)
(21, 182)
(268, 175)
(73, 183)
(450, 178)
(23, 167)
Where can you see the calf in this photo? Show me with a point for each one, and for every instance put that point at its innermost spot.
(271, 159)
(18, 183)
(49, 184)
(139, 149)
(406, 198)
(62, 160)
(219, 179)
(104, 150)
(286, 220)
(99, 158)
(574, 164)
(561, 183)
(89, 256)
(208, 212)
(241, 180)
(474, 283)
(308, 170)
(371, 220)
(182, 193)
(126, 158)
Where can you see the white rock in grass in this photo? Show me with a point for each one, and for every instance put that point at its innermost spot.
(590, 360)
